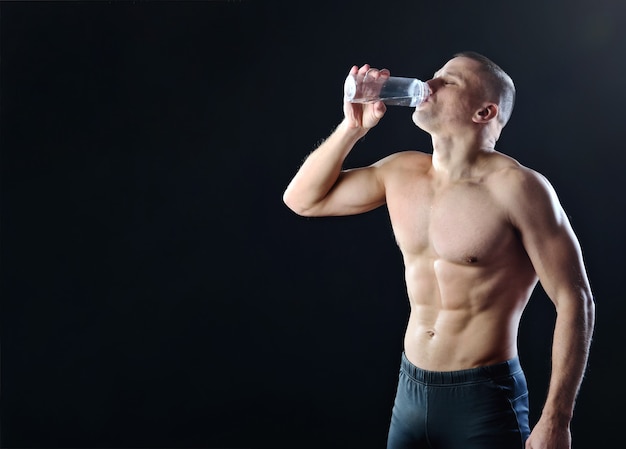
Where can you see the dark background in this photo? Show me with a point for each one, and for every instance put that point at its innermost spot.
(156, 292)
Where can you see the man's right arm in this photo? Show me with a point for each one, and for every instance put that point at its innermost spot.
(321, 187)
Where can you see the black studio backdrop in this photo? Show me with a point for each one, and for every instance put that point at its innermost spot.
(155, 290)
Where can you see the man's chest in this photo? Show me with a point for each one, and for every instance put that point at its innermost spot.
(460, 223)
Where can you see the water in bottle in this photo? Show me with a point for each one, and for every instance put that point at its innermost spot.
(393, 90)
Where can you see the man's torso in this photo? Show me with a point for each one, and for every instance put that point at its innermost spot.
(467, 274)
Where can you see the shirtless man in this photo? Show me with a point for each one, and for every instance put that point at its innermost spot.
(477, 231)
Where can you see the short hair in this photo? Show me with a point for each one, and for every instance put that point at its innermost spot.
(498, 84)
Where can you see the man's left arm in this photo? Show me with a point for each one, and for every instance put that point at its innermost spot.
(556, 255)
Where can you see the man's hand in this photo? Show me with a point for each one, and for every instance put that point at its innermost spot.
(549, 436)
(365, 116)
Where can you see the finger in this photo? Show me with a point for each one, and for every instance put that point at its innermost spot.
(385, 73)
(372, 73)
(379, 109)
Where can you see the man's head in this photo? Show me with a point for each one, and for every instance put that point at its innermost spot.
(470, 92)
(498, 85)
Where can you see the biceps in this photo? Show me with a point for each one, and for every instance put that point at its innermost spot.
(356, 191)
(557, 258)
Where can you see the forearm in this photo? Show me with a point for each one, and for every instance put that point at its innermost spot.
(321, 169)
(570, 349)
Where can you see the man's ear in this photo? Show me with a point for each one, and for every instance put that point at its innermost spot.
(488, 112)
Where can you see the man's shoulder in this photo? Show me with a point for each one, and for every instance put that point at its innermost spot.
(517, 185)
(507, 171)
(408, 159)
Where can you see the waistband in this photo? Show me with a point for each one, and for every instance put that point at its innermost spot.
(471, 375)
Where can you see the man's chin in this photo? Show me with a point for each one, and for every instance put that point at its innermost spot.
(419, 121)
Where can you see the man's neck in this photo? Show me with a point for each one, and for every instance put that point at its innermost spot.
(457, 158)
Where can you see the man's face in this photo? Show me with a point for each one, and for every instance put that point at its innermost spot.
(456, 95)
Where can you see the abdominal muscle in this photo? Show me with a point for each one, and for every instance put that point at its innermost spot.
(461, 316)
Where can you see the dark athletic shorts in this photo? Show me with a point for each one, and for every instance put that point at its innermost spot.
(478, 408)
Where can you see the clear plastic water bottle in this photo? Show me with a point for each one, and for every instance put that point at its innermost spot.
(392, 90)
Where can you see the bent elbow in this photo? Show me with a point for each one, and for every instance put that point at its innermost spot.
(294, 205)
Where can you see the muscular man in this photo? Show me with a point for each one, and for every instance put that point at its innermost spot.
(477, 231)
